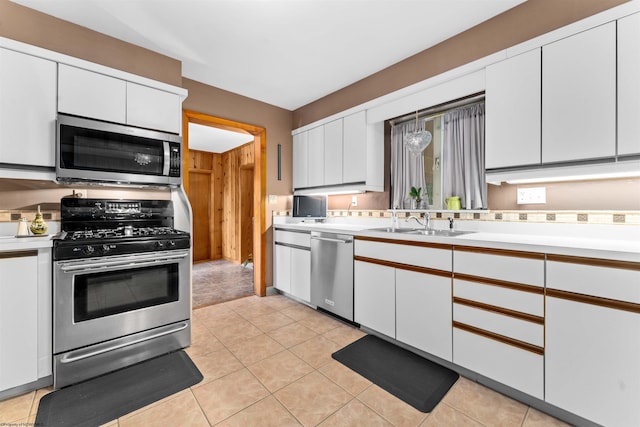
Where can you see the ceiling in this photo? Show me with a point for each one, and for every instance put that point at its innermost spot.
(287, 53)
(207, 138)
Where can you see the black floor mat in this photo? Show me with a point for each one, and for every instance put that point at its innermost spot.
(108, 397)
(419, 382)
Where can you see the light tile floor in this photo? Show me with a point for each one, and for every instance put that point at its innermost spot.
(267, 362)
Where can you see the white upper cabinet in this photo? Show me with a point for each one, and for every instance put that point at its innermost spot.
(88, 94)
(629, 85)
(579, 96)
(333, 161)
(300, 160)
(343, 152)
(354, 148)
(512, 100)
(315, 152)
(27, 109)
(153, 108)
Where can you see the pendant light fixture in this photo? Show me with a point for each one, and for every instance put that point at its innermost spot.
(417, 140)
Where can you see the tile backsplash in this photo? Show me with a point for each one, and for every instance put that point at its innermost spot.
(552, 217)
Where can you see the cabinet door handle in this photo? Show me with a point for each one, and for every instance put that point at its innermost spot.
(329, 239)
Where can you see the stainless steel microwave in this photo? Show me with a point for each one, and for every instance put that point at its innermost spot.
(90, 150)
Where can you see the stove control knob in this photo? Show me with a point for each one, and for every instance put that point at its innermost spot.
(88, 250)
(159, 244)
(171, 243)
(105, 249)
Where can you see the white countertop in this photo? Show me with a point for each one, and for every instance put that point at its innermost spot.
(624, 249)
(12, 243)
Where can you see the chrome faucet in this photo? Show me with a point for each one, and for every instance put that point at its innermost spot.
(394, 218)
(426, 220)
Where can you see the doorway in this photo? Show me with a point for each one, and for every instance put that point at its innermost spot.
(222, 184)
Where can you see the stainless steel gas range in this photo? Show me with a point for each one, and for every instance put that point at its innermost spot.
(121, 286)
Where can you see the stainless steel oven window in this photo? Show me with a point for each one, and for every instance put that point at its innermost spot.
(102, 294)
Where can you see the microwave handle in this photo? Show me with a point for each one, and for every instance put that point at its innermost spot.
(167, 158)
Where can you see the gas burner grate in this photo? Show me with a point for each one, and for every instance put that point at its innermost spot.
(127, 231)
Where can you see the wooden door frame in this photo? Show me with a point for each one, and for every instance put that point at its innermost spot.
(259, 184)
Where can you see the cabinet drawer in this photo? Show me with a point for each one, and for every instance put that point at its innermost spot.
(501, 324)
(293, 238)
(510, 266)
(515, 367)
(417, 255)
(512, 299)
(600, 278)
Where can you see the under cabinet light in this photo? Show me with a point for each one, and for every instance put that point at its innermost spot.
(621, 169)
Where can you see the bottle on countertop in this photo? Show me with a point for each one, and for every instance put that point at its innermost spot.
(38, 226)
(23, 227)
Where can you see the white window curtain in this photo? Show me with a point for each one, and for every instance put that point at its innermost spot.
(407, 169)
(463, 156)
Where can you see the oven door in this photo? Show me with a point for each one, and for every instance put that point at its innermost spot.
(100, 299)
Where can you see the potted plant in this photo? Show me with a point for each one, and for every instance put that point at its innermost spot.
(416, 197)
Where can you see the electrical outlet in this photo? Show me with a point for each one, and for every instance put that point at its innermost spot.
(354, 200)
(532, 196)
(272, 199)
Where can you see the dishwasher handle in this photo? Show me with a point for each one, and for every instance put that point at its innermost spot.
(330, 239)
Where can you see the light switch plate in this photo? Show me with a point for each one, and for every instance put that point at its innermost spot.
(354, 200)
(532, 196)
(272, 199)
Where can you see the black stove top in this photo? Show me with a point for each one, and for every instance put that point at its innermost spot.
(123, 232)
(99, 227)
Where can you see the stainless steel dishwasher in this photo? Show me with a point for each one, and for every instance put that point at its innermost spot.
(332, 272)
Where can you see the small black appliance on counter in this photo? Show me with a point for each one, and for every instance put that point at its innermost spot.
(310, 206)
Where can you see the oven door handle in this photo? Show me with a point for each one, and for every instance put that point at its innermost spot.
(121, 263)
(74, 356)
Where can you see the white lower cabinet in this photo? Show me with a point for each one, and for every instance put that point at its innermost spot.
(592, 359)
(301, 273)
(282, 270)
(423, 312)
(18, 319)
(498, 316)
(374, 296)
(292, 263)
(404, 292)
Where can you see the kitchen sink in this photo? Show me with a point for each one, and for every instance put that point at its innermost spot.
(393, 230)
(442, 233)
